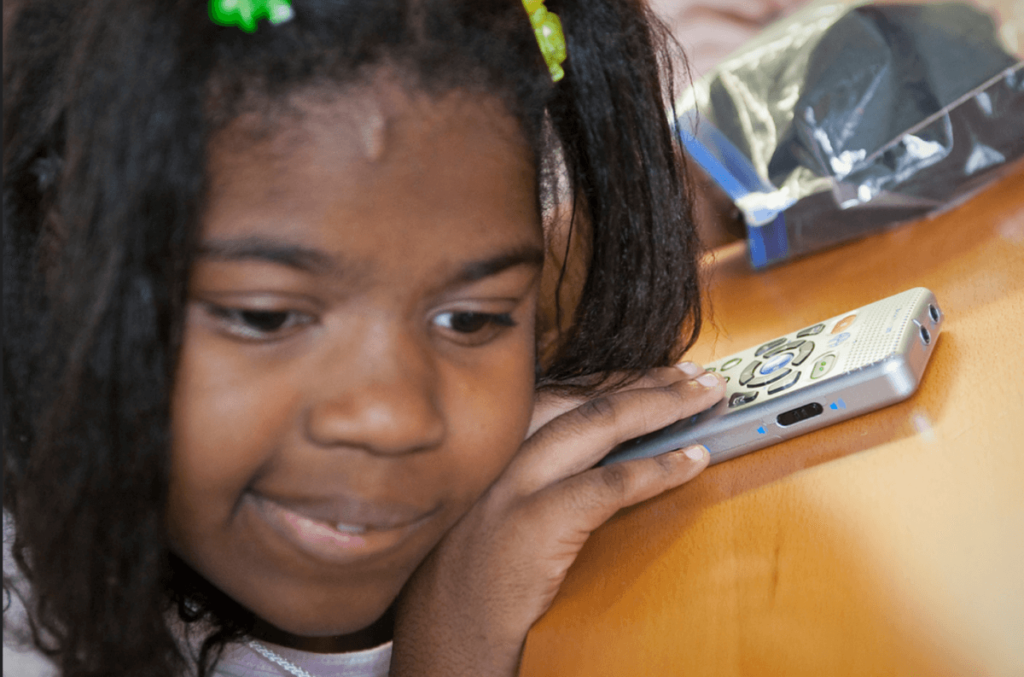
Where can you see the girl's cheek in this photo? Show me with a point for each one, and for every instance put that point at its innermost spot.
(508, 409)
(226, 417)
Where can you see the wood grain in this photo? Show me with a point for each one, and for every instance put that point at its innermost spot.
(892, 544)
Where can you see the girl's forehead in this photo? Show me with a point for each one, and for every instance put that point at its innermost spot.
(377, 170)
(366, 123)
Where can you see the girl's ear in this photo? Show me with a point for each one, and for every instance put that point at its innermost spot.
(567, 248)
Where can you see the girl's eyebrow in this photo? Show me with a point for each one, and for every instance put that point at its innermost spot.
(477, 270)
(272, 251)
(317, 262)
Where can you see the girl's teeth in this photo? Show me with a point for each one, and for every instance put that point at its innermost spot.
(349, 528)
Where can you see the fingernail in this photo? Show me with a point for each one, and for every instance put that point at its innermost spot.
(689, 368)
(696, 453)
(709, 379)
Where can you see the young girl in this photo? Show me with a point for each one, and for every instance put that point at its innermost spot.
(272, 308)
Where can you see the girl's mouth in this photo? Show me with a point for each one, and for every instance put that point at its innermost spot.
(340, 531)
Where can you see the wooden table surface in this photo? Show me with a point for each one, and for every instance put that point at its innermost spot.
(891, 544)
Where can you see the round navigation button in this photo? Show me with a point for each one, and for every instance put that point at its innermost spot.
(823, 366)
(778, 362)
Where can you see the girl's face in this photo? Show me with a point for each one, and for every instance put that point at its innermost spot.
(358, 357)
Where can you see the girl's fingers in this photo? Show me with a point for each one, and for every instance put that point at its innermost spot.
(551, 404)
(585, 434)
(586, 501)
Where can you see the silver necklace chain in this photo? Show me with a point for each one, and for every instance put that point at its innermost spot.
(274, 657)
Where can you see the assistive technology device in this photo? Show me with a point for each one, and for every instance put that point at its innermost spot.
(834, 370)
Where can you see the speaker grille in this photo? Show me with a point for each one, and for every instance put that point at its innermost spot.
(879, 335)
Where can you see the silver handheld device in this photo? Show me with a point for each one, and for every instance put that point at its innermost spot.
(843, 367)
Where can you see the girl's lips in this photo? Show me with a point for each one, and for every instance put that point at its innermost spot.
(311, 531)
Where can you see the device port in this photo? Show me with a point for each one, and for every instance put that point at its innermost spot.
(926, 336)
(934, 313)
(799, 414)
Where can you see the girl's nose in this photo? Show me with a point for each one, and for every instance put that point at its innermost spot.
(383, 398)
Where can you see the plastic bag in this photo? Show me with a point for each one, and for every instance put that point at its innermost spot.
(842, 120)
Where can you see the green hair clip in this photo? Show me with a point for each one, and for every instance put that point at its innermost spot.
(245, 13)
(548, 29)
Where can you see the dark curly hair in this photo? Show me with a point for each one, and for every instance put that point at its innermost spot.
(108, 109)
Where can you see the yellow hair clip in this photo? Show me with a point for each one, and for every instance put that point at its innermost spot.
(548, 29)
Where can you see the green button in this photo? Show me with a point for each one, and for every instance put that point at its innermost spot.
(823, 366)
(731, 363)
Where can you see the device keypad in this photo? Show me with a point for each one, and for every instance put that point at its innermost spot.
(774, 365)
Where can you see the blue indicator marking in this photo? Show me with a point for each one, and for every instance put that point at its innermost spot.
(762, 431)
(838, 404)
(834, 343)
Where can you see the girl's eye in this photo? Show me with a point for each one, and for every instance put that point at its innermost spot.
(259, 324)
(476, 327)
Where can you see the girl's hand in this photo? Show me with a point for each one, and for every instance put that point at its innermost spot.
(467, 609)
